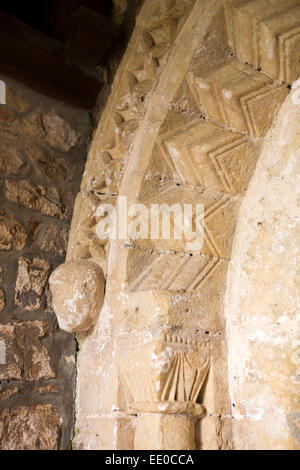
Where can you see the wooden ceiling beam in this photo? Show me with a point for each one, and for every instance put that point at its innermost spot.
(25, 58)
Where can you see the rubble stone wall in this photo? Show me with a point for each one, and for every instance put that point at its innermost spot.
(42, 152)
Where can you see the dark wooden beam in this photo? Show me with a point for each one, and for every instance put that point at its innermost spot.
(88, 35)
(24, 56)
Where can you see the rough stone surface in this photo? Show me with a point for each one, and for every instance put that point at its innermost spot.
(49, 166)
(7, 114)
(52, 238)
(42, 152)
(19, 97)
(10, 158)
(29, 428)
(7, 394)
(262, 292)
(31, 282)
(12, 234)
(77, 295)
(26, 357)
(59, 133)
(50, 126)
(27, 194)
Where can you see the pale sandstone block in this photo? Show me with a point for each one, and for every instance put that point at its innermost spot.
(105, 434)
(211, 157)
(220, 211)
(237, 97)
(268, 36)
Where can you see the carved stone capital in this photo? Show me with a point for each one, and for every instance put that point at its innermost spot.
(164, 377)
(171, 367)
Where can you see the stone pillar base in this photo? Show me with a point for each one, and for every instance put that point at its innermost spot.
(164, 432)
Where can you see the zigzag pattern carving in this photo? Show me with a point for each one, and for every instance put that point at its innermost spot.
(173, 272)
(211, 157)
(219, 216)
(267, 35)
(237, 97)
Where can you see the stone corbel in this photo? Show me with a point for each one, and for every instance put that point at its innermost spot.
(165, 376)
(77, 290)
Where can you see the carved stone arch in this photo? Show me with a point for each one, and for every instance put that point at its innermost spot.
(190, 106)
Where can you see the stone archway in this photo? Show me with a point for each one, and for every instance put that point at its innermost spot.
(197, 91)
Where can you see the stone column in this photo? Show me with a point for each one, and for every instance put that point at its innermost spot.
(166, 425)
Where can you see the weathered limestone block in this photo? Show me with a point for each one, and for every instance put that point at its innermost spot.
(12, 234)
(267, 35)
(27, 194)
(51, 238)
(10, 158)
(214, 432)
(52, 128)
(220, 211)
(29, 428)
(237, 97)
(192, 309)
(100, 433)
(49, 166)
(211, 157)
(77, 295)
(31, 282)
(7, 394)
(26, 357)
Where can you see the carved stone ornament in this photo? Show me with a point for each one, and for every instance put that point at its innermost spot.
(77, 295)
